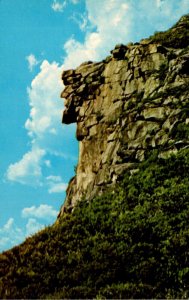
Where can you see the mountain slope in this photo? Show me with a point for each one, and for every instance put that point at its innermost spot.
(130, 243)
(128, 234)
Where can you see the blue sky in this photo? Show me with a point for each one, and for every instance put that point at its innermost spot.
(38, 39)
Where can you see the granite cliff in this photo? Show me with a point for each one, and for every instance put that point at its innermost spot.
(132, 102)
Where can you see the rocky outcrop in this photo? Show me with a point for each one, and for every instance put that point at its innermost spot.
(134, 101)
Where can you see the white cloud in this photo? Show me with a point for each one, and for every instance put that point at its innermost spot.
(81, 19)
(28, 169)
(58, 188)
(46, 107)
(10, 235)
(3, 243)
(32, 61)
(55, 184)
(54, 178)
(45, 114)
(43, 211)
(111, 22)
(44, 128)
(8, 225)
(58, 6)
(33, 226)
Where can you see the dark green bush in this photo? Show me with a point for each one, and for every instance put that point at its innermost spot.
(176, 37)
(180, 131)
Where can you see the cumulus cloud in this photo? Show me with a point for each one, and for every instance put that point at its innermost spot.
(28, 169)
(43, 211)
(8, 225)
(53, 178)
(44, 127)
(10, 235)
(45, 104)
(56, 185)
(111, 22)
(58, 188)
(3, 243)
(81, 20)
(32, 61)
(155, 15)
(58, 6)
(33, 226)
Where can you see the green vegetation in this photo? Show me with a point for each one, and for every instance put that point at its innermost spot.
(129, 243)
(163, 71)
(176, 37)
(180, 132)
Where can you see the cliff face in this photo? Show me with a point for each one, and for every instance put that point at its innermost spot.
(134, 101)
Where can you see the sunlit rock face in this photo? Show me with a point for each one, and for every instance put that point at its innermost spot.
(134, 101)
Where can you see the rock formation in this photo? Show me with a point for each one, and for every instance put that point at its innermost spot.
(134, 101)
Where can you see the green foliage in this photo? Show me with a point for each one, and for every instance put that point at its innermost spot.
(129, 243)
(176, 37)
(162, 72)
(180, 131)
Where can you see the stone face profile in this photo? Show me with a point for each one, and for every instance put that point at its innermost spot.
(130, 103)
